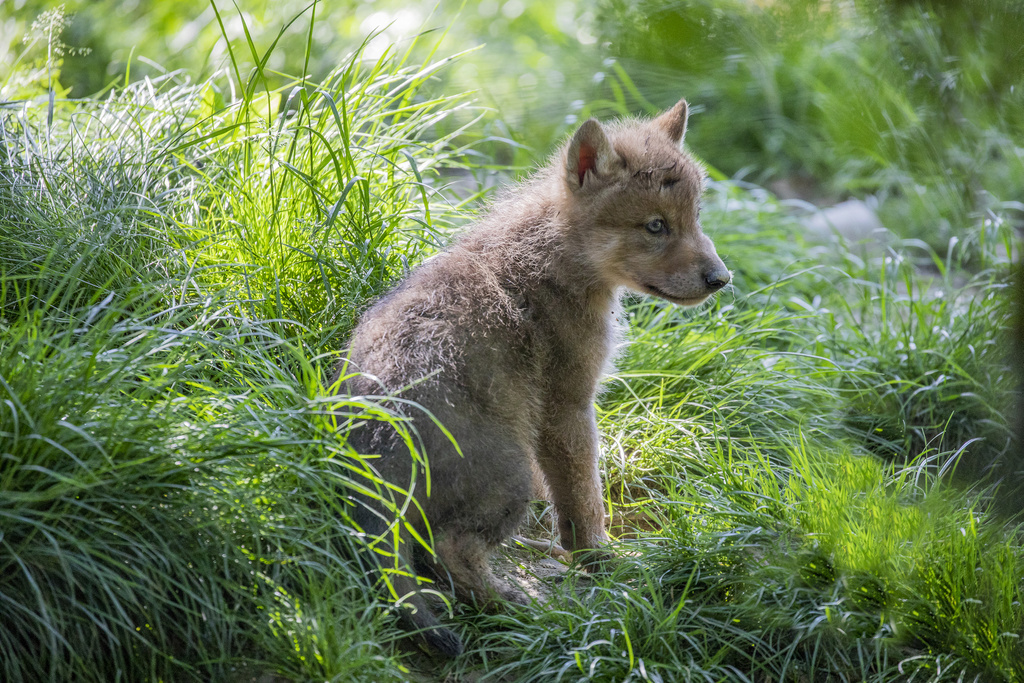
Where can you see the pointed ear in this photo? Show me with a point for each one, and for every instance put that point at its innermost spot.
(673, 121)
(590, 155)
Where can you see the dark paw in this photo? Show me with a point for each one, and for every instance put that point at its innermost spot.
(444, 642)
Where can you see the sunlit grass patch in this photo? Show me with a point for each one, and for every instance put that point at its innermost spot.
(934, 566)
(317, 196)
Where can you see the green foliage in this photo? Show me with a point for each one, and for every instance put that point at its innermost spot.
(933, 373)
(316, 198)
(151, 459)
(174, 473)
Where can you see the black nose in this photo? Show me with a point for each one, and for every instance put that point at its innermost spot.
(717, 279)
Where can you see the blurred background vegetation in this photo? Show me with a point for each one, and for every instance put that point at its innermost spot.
(916, 106)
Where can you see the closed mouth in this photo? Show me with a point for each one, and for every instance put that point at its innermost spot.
(674, 299)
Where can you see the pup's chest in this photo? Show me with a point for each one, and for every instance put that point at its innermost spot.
(576, 348)
(615, 337)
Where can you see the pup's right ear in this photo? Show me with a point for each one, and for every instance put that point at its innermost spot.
(590, 159)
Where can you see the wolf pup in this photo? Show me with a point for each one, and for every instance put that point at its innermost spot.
(503, 338)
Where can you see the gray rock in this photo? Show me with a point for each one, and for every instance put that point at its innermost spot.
(852, 221)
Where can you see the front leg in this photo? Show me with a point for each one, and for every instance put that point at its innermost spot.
(568, 455)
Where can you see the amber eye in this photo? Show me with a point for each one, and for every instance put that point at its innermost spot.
(656, 226)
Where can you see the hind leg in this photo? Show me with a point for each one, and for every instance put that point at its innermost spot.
(393, 565)
(464, 561)
(487, 495)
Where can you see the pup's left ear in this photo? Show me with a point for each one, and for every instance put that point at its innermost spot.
(673, 121)
(590, 160)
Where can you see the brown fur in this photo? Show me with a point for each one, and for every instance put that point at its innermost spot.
(504, 336)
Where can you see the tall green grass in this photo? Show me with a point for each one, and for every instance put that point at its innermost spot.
(178, 269)
(315, 198)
